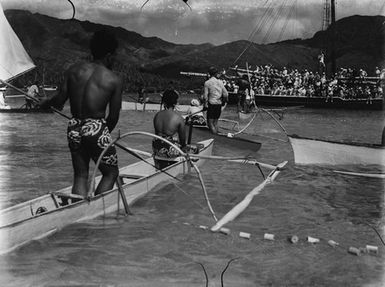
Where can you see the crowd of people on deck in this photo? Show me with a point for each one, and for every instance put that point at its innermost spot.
(347, 83)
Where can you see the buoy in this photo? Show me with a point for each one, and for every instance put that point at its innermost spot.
(312, 239)
(244, 235)
(268, 236)
(372, 249)
(230, 135)
(354, 251)
(203, 227)
(293, 239)
(224, 230)
(332, 243)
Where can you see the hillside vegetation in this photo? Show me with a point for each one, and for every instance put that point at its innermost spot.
(54, 44)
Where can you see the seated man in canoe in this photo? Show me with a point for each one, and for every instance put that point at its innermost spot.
(195, 115)
(169, 125)
(90, 88)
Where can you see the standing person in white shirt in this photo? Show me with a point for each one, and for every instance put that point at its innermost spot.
(215, 96)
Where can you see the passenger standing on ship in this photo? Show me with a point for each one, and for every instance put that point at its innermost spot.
(90, 88)
(321, 63)
(215, 96)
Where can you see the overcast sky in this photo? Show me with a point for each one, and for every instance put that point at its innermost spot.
(213, 21)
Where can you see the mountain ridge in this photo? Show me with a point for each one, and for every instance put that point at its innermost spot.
(54, 44)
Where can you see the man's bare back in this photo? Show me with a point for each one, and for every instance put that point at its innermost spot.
(90, 87)
(168, 123)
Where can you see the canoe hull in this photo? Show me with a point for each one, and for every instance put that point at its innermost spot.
(314, 151)
(241, 141)
(20, 224)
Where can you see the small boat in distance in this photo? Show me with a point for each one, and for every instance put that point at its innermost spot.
(43, 216)
(324, 152)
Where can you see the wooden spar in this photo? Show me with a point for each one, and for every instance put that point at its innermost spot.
(241, 206)
(194, 74)
(333, 37)
(252, 162)
(119, 183)
(237, 159)
(371, 175)
(205, 192)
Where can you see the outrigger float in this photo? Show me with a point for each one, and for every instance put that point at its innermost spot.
(317, 151)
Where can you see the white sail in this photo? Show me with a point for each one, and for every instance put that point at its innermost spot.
(14, 60)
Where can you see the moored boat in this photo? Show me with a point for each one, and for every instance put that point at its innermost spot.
(314, 102)
(323, 152)
(49, 213)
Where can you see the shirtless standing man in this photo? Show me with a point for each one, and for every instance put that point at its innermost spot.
(90, 88)
(214, 96)
(168, 124)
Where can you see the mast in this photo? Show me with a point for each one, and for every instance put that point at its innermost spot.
(333, 36)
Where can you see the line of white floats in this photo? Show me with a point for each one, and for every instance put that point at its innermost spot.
(368, 249)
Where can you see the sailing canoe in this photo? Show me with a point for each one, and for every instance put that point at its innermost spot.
(316, 151)
(43, 216)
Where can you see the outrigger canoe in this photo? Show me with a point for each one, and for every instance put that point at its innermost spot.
(49, 213)
(242, 141)
(316, 151)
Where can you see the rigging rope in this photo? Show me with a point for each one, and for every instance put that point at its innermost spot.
(289, 16)
(73, 9)
(275, 19)
(256, 30)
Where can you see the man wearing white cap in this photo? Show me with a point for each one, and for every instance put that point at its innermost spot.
(195, 111)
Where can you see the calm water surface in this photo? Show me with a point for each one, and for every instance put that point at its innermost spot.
(160, 245)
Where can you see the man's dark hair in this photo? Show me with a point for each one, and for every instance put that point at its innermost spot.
(102, 43)
(213, 71)
(170, 98)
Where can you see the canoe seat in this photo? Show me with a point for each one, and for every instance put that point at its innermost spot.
(131, 176)
(65, 197)
(68, 195)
